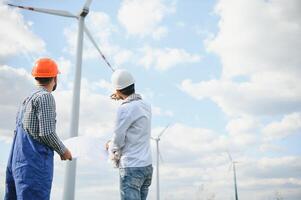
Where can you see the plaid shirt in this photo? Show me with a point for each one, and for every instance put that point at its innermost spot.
(40, 120)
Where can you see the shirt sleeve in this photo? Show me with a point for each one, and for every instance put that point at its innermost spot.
(123, 122)
(47, 123)
(53, 141)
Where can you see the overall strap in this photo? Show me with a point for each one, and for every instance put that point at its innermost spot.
(23, 107)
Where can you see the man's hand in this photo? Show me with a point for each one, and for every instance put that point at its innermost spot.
(107, 145)
(67, 155)
(116, 97)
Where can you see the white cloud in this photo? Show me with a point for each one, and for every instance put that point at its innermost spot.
(16, 36)
(268, 95)
(14, 81)
(198, 157)
(157, 111)
(242, 125)
(102, 29)
(97, 115)
(2, 181)
(144, 17)
(190, 141)
(243, 130)
(289, 124)
(265, 59)
(16, 89)
(148, 93)
(160, 32)
(195, 155)
(248, 44)
(15, 84)
(102, 24)
(64, 65)
(160, 112)
(268, 147)
(122, 56)
(259, 81)
(93, 121)
(272, 168)
(105, 85)
(6, 135)
(164, 59)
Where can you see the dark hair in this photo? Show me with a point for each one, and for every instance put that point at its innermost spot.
(128, 90)
(44, 81)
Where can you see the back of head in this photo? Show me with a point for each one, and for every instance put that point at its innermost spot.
(123, 81)
(44, 70)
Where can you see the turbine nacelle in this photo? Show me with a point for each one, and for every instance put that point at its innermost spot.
(84, 12)
(155, 139)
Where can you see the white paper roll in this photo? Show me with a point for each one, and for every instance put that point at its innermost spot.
(84, 147)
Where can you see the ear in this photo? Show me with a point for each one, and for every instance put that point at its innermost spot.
(121, 96)
(55, 79)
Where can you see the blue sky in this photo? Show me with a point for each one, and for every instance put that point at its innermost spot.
(224, 73)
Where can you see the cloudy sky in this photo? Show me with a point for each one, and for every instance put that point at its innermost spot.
(224, 73)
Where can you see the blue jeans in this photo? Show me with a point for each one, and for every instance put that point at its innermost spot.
(135, 182)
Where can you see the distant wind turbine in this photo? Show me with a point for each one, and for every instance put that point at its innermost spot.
(157, 139)
(234, 174)
(69, 185)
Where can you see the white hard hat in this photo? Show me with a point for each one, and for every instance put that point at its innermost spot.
(122, 79)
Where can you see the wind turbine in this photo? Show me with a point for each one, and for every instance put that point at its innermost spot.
(234, 174)
(157, 139)
(70, 176)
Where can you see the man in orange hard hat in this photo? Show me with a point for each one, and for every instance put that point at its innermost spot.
(29, 170)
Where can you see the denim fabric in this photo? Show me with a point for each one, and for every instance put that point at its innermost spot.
(135, 182)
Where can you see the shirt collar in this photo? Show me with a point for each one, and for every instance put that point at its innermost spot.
(132, 97)
(41, 88)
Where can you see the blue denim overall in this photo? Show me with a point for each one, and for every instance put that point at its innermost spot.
(29, 171)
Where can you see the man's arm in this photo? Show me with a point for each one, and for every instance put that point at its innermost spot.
(123, 122)
(47, 124)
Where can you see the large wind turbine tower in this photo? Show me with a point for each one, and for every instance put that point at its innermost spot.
(69, 185)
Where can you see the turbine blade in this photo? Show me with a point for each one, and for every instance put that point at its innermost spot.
(87, 4)
(162, 132)
(96, 46)
(47, 11)
(230, 166)
(230, 157)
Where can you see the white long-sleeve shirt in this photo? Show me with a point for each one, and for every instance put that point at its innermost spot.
(132, 133)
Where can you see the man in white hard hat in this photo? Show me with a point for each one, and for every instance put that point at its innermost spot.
(131, 140)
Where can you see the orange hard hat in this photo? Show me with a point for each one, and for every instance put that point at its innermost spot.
(45, 68)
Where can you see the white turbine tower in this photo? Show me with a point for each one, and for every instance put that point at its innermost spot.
(234, 174)
(157, 139)
(69, 185)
